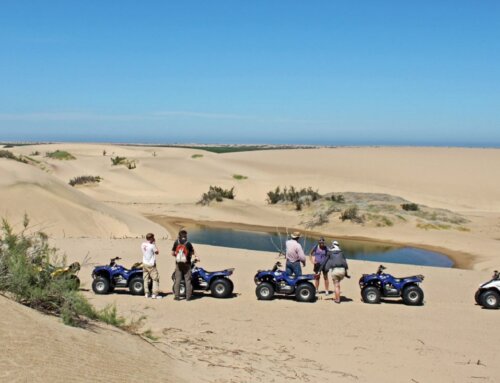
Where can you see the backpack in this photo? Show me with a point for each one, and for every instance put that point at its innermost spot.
(181, 253)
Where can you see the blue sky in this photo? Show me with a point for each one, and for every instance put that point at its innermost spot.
(299, 72)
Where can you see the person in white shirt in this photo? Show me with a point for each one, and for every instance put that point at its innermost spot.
(150, 273)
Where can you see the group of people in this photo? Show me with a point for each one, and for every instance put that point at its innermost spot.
(183, 251)
(328, 261)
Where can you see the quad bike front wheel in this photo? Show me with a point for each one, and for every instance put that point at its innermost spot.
(490, 299)
(136, 286)
(264, 291)
(413, 296)
(371, 295)
(221, 288)
(305, 293)
(100, 285)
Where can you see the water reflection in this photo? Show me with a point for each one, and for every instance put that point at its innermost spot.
(362, 250)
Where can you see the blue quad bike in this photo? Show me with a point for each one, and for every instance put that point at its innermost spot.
(380, 285)
(217, 282)
(276, 281)
(107, 278)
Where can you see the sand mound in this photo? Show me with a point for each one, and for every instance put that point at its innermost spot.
(61, 210)
(39, 348)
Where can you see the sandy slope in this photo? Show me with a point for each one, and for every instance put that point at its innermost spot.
(59, 209)
(38, 348)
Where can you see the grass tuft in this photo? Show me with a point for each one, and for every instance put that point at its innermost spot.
(60, 155)
(216, 193)
(82, 180)
(197, 156)
(239, 177)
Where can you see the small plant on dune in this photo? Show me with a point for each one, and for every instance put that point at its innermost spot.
(8, 146)
(130, 164)
(293, 195)
(239, 177)
(60, 155)
(351, 214)
(82, 180)
(216, 193)
(109, 315)
(197, 156)
(339, 198)
(409, 206)
(11, 156)
(35, 153)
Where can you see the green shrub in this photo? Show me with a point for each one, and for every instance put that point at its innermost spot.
(293, 195)
(239, 177)
(216, 193)
(60, 155)
(351, 214)
(11, 156)
(197, 156)
(130, 164)
(339, 198)
(410, 206)
(26, 266)
(82, 180)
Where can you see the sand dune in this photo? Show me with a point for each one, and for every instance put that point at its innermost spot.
(59, 209)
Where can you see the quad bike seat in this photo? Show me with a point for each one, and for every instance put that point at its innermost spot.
(136, 266)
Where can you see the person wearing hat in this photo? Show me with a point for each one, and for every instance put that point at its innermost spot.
(336, 266)
(318, 256)
(294, 255)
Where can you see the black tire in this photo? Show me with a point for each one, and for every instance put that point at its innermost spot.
(221, 288)
(136, 286)
(413, 296)
(477, 296)
(100, 285)
(490, 299)
(305, 292)
(371, 295)
(264, 291)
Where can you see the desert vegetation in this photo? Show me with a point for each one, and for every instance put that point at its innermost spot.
(216, 193)
(11, 156)
(409, 206)
(116, 161)
(296, 196)
(82, 180)
(60, 155)
(197, 156)
(239, 177)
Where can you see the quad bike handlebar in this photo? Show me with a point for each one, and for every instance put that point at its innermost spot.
(381, 269)
(496, 274)
(276, 266)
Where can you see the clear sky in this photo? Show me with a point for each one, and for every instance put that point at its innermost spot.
(260, 71)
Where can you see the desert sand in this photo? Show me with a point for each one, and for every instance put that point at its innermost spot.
(242, 339)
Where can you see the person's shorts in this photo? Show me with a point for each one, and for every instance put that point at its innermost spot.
(337, 274)
(317, 269)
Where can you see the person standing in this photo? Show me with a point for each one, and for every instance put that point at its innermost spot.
(150, 272)
(318, 257)
(336, 265)
(294, 255)
(183, 251)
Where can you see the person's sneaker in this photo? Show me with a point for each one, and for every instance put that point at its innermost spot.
(327, 293)
(147, 295)
(156, 296)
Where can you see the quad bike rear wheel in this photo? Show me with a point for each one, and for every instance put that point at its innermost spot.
(413, 296)
(490, 299)
(305, 292)
(222, 288)
(371, 295)
(100, 285)
(136, 286)
(264, 291)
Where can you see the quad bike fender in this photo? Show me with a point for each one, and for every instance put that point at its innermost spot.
(101, 272)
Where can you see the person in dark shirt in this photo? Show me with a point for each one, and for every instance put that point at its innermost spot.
(183, 251)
